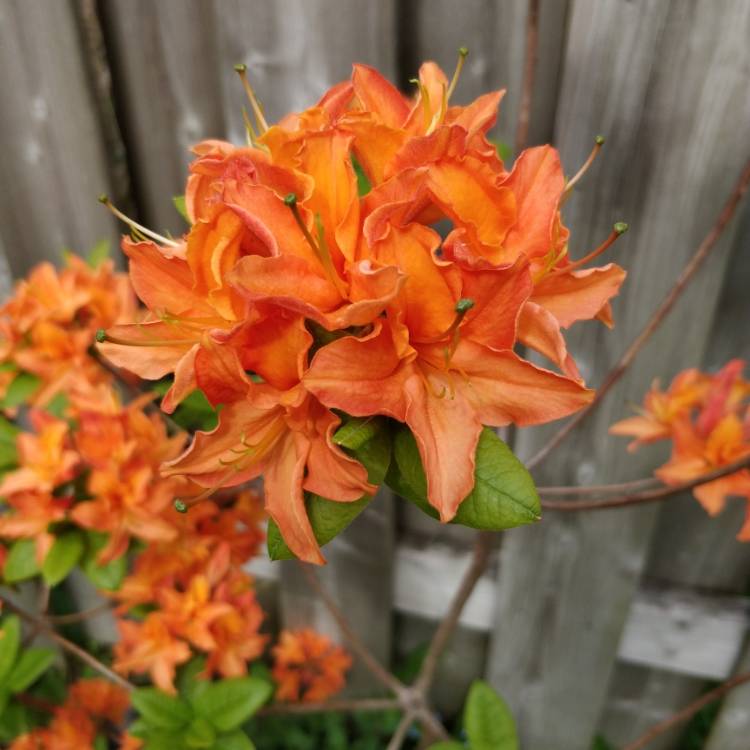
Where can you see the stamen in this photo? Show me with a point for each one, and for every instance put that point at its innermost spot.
(320, 248)
(617, 230)
(252, 136)
(462, 307)
(103, 337)
(462, 54)
(426, 108)
(104, 199)
(598, 143)
(183, 504)
(241, 68)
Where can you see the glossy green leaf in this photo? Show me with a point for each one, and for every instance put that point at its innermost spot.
(63, 556)
(357, 431)
(180, 205)
(21, 561)
(160, 710)
(200, 733)
(488, 721)
(29, 667)
(235, 741)
(327, 517)
(108, 576)
(21, 389)
(229, 703)
(164, 740)
(8, 452)
(504, 494)
(98, 254)
(10, 639)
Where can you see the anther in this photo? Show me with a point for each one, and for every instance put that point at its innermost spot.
(260, 119)
(101, 336)
(135, 226)
(620, 227)
(464, 305)
(180, 506)
(617, 231)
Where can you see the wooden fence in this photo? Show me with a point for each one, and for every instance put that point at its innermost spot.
(587, 624)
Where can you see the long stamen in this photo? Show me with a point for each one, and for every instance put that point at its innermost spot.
(241, 68)
(182, 505)
(252, 136)
(462, 55)
(598, 143)
(104, 200)
(320, 248)
(617, 230)
(425, 96)
(103, 337)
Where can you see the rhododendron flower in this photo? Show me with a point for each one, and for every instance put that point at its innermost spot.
(308, 667)
(708, 420)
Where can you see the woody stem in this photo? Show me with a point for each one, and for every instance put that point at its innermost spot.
(657, 318)
(529, 74)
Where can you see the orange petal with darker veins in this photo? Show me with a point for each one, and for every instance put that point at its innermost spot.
(540, 330)
(380, 96)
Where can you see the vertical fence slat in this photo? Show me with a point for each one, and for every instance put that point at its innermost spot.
(178, 57)
(663, 81)
(54, 162)
(732, 726)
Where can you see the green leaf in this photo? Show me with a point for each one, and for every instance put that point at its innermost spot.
(357, 431)
(21, 389)
(187, 677)
(235, 741)
(447, 745)
(504, 494)
(488, 721)
(15, 719)
(160, 710)
(64, 555)
(58, 405)
(161, 740)
(363, 181)
(21, 561)
(10, 638)
(229, 703)
(179, 204)
(327, 517)
(196, 413)
(200, 733)
(108, 576)
(98, 254)
(100, 743)
(504, 150)
(8, 452)
(29, 668)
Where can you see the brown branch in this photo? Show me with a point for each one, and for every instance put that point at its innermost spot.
(67, 645)
(648, 496)
(442, 635)
(358, 704)
(598, 489)
(688, 712)
(377, 670)
(86, 614)
(529, 74)
(401, 731)
(656, 319)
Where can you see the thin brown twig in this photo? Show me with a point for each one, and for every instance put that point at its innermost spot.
(375, 667)
(688, 712)
(598, 489)
(86, 614)
(67, 645)
(356, 704)
(648, 496)
(442, 635)
(529, 74)
(401, 731)
(658, 316)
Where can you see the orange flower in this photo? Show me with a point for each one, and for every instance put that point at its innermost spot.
(308, 667)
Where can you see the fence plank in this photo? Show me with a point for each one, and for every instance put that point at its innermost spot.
(663, 80)
(54, 161)
(732, 726)
(173, 68)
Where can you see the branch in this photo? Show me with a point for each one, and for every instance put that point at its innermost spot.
(67, 645)
(598, 489)
(688, 712)
(86, 614)
(401, 731)
(478, 565)
(361, 704)
(661, 312)
(648, 496)
(529, 74)
(377, 670)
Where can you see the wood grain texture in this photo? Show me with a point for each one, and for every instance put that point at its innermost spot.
(732, 726)
(662, 80)
(53, 161)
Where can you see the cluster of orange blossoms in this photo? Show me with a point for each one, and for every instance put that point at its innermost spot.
(292, 295)
(707, 418)
(198, 596)
(308, 667)
(93, 707)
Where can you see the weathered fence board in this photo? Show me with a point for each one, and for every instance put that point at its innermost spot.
(730, 732)
(53, 161)
(657, 78)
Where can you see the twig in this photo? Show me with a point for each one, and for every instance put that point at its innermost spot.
(360, 704)
(688, 712)
(598, 489)
(85, 614)
(445, 630)
(377, 670)
(529, 73)
(401, 731)
(69, 646)
(648, 496)
(661, 312)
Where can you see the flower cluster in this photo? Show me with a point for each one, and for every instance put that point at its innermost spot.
(92, 708)
(707, 418)
(197, 596)
(308, 667)
(303, 290)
